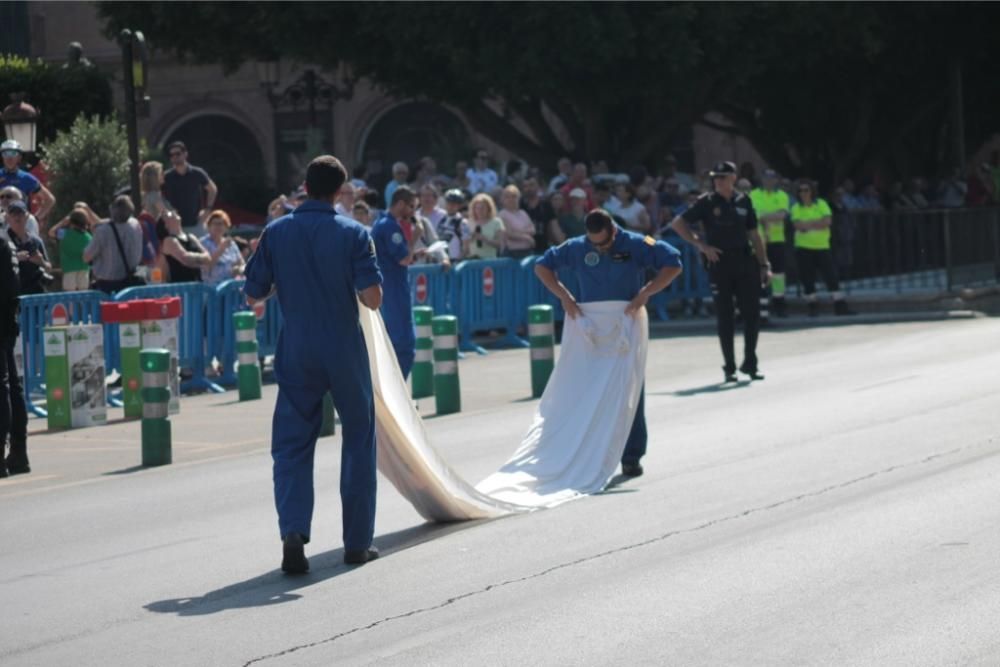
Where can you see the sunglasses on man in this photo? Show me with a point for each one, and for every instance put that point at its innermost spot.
(10, 153)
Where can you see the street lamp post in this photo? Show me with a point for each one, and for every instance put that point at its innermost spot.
(20, 122)
(134, 61)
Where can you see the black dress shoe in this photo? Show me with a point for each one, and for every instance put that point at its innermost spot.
(632, 469)
(730, 375)
(360, 557)
(754, 374)
(294, 559)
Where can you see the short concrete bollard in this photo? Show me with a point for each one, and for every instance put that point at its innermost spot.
(155, 393)
(422, 375)
(447, 392)
(542, 336)
(329, 426)
(248, 379)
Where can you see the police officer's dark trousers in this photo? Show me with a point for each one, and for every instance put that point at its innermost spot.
(635, 446)
(736, 275)
(298, 416)
(13, 414)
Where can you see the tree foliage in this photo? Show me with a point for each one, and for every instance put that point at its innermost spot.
(823, 88)
(89, 162)
(60, 94)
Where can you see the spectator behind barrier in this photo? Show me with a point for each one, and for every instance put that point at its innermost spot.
(539, 211)
(75, 237)
(114, 259)
(32, 260)
(11, 194)
(487, 228)
(184, 253)
(571, 223)
(345, 199)
(400, 175)
(479, 176)
(519, 230)
(429, 197)
(226, 259)
(362, 213)
(578, 181)
(454, 228)
(626, 207)
(424, 236)
(189, 189)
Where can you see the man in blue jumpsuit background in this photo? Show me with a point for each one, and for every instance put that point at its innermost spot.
(611, 264)
(319, 264)
(393, 243)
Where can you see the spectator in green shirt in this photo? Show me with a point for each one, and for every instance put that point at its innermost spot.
(76, 237)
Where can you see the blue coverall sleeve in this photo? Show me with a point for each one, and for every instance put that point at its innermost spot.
(556, 257)
(259, 271)
(364, 266)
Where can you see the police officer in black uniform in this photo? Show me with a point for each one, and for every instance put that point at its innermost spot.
(735, 269)
(13, 414)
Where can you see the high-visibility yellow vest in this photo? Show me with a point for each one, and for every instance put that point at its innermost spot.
(766, 202)
(818, 239)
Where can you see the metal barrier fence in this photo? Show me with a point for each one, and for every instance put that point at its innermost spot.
(197, 328)
(487, 295)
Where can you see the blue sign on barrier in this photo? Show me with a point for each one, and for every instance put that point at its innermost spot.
(487, 292)
(35, 314)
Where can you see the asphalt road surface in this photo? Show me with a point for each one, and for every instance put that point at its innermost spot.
(842, 512)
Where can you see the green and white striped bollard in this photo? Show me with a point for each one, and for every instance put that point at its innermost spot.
(542, 336)
(248, 374)
(447, 392)
(422, 374)
(155, 364)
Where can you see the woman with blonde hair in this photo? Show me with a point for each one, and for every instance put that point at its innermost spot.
(488, 235)
(519, 230)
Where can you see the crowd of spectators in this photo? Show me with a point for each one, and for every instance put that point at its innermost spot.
(485, 210)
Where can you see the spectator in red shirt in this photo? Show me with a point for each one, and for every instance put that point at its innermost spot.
(578, 179)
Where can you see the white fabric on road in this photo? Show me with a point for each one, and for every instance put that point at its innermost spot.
(572, 448)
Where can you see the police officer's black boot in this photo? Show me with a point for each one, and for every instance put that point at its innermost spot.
(730, 374)
(17, 460)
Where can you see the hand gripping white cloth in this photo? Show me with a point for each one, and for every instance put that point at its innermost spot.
(572, 447)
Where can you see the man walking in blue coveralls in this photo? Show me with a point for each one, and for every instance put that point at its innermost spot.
(393, 234)
(319, 264)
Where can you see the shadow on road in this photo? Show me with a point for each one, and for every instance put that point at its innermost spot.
(706, 389)
(274, 587)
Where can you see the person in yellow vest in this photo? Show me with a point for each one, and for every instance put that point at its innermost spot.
(772, 206)
(812, 218)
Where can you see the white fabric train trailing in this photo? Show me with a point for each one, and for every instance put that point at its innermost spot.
(572, 447)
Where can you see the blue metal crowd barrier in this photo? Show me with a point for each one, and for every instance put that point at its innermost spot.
(692, 284)
(197, 327)
(231, 299)
(486, 295)
(35, 314)
(430, 285)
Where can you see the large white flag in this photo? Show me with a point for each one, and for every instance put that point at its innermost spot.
(572, 448)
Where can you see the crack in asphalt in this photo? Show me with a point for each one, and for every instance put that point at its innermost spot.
(603, 554)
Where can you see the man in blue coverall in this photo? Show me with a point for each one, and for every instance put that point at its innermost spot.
(319, 264)
(611, 264)
(393, 243)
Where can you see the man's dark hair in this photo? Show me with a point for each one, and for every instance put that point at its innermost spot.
(371, 197)
(176, 144)
(402, 193)
(598, 221)
(324, 176)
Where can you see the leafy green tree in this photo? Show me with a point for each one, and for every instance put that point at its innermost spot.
(60, 94)
(89, 162)
(824, 89)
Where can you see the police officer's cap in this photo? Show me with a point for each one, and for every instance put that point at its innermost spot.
(454, 195)
(723, 169)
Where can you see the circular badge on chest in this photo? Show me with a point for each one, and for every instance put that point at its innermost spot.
(397, 238)
(592, 259)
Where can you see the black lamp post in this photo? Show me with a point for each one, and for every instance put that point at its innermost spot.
(20, 122)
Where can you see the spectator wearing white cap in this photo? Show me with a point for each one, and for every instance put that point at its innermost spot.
(578, 181)
(571, 222)
(26, 183)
